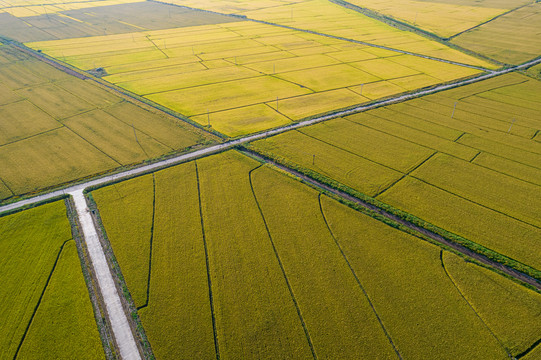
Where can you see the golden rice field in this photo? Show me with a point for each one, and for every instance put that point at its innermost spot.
(46, 309)
(441, 18)
(55, 128)
(278, 270)
(231, 257)
(245, 77)
(478, 284)
(512, 38)
(329, 18)
(470, 150)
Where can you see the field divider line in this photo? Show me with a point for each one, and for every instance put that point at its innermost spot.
(32, 136)
(518, 82)
(528, 350)
(291, 293)
(357, 278)
(120, 326)
(100, 181)
(490, 20)
(350, 152)
(477, 203)
(156, 46)
(151, 241)
(6, 185)
(93, 145)
(40, 298)
(141, 131)
(479, 153)
(207, 263)
(471, 306)
(406, 174)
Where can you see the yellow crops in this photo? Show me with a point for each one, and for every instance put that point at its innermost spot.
(510, 39)
(55, 128)
(220, 74)
(508, 309)
(130, 242)
(285, 261)
(443, 19)
(36, 244)
(460, 148)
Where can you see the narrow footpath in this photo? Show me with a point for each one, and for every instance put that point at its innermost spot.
(115, 312)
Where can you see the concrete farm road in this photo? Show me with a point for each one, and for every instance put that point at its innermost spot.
(230, 144)
(121, 329)
(113, 305)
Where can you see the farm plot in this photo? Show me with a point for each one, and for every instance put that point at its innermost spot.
(92, 18)
(246, 77)
(441, 18)
(329, 18)
(55, 128)
(512, 38)
(46, 312)
(478, 284)
(280, 270)
(439, 158)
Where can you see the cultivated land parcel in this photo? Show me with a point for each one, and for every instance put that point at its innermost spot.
(238, 254)
(47, 312)
(58, 128)
(280, 270)
(472, 149)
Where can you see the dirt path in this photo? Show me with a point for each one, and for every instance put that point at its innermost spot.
(122, 332)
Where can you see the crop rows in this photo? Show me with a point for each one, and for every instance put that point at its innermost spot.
(439, 158)
(46, 312)
(56, 128)
(248, 262)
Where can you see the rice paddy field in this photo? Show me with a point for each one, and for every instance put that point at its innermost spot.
(332, 19)
(278, 270)
(470, 150)
(56, 128)
(443, 19)
(46, 309)
(244, 77)
(231, 257)
(512, 38)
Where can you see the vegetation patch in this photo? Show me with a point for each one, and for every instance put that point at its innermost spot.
(47, 310)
